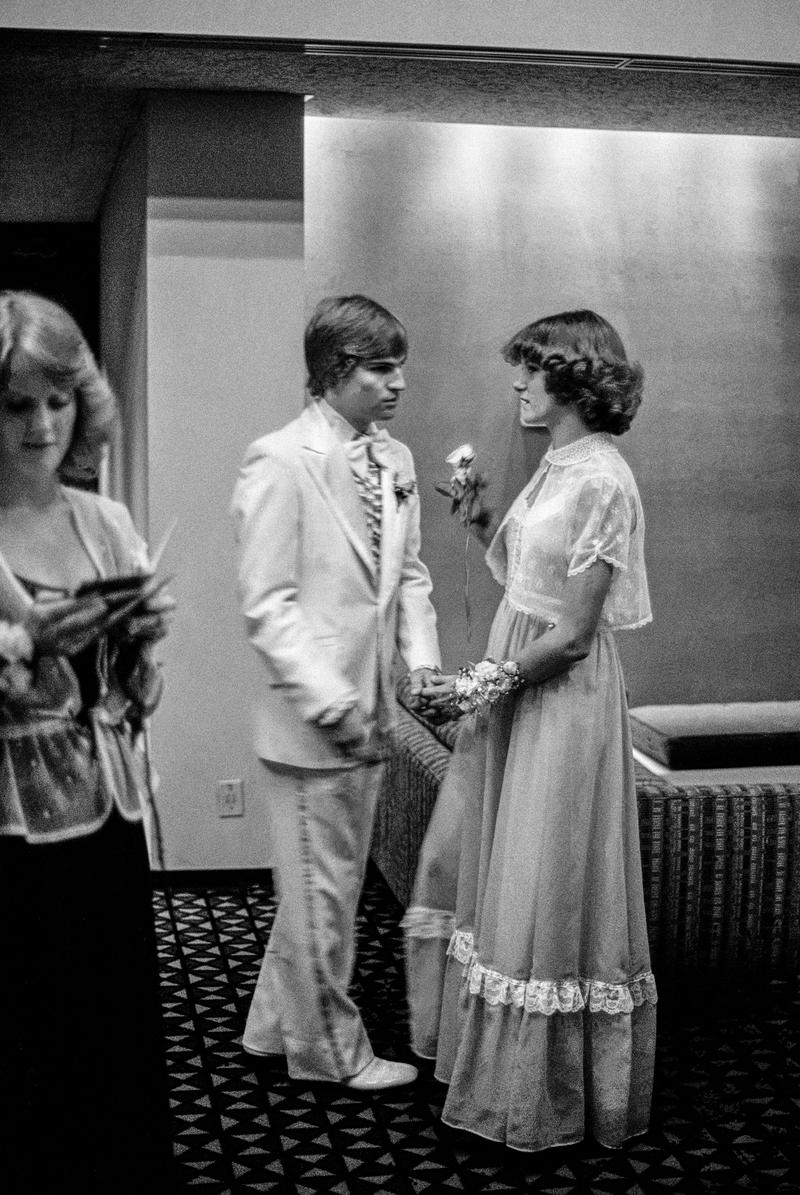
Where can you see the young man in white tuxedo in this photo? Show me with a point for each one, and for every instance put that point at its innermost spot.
(332, 587)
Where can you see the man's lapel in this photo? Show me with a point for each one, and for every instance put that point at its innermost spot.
(327, 464)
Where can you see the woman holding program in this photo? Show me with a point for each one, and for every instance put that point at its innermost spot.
(83, 1094)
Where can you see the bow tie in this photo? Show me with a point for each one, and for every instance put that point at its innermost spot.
(365, 448)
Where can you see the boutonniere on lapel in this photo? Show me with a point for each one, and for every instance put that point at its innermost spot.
(404, 487)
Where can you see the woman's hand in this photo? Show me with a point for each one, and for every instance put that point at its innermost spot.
(420, 685)
(435, 698)
(151, 619)
(65, 626)
(418, 679)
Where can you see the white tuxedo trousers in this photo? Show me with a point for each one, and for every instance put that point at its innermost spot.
(321, 827)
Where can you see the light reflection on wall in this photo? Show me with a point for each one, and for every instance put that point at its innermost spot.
(690, 245)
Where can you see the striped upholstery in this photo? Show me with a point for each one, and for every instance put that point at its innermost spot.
(721, 863)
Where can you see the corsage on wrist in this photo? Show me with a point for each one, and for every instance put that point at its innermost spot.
(479, 685)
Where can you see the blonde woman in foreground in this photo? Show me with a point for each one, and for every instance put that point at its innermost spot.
(83, 1097)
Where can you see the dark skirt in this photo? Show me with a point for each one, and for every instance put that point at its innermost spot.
(83, 1090)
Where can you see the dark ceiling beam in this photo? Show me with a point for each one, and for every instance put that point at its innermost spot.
(67, 99)
(80, 43)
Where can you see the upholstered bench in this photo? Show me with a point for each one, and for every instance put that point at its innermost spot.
(721, 861)
(754, 734)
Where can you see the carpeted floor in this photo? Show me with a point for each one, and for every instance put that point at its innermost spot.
(725, 1115)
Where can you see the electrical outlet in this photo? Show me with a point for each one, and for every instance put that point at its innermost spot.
(230, 798)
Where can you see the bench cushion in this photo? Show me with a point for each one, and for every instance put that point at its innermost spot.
(723, 735)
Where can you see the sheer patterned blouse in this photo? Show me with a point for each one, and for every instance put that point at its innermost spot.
(580, 506)
(68, 742)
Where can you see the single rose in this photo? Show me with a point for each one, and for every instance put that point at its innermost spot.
(461, 457)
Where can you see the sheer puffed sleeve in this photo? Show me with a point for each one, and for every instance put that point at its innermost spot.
(601, 523)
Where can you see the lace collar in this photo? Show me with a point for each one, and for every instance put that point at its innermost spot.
(581, 450)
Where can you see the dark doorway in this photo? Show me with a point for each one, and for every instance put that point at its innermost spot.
(59, 261)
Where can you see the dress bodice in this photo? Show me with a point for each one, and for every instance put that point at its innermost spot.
(580, 506)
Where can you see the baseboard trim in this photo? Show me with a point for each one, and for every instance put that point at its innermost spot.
(235, 877)
(221, 877)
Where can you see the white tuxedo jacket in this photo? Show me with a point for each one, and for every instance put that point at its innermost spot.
(325, 622)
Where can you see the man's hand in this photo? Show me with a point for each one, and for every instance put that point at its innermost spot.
(352, 735)
(151, 619)
(436, 697)
(350, 731)
(420, 678)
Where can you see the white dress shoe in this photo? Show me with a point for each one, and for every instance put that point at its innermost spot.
(256, 1053)
(381, 1074)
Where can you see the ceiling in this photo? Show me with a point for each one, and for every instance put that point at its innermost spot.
(67, 100)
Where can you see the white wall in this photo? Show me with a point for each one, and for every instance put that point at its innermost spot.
(222, 343)
(223, 367)
(755, 30)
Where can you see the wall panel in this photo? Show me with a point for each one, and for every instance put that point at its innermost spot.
(690, 246)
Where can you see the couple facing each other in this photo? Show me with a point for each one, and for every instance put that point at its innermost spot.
(527, 959)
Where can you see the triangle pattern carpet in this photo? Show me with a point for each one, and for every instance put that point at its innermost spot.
(725, 1115)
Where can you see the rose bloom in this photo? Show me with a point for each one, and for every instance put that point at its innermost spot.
(461, 457)
(466, 685)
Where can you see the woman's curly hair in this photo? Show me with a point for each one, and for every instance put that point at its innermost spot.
(584, 364)
(43, 334)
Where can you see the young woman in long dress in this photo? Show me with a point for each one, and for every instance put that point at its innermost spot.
(528, 964)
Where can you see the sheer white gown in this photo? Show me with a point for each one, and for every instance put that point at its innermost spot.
(529, 975)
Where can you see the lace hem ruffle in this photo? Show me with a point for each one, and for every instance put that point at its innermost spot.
(421, 922)
(549, 996)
